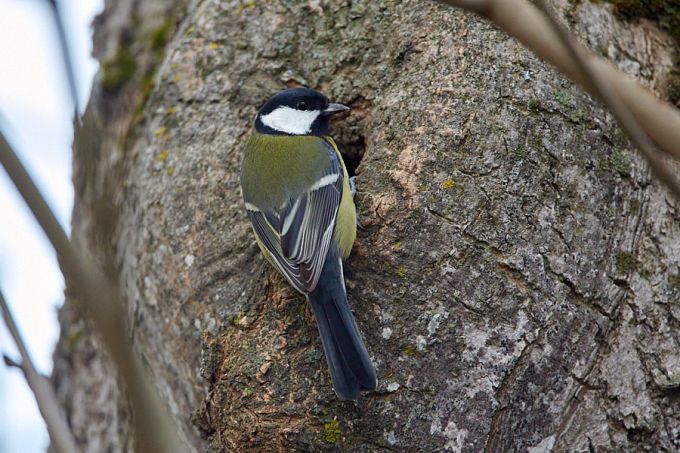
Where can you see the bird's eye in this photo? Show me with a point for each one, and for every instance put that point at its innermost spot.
(302, 105)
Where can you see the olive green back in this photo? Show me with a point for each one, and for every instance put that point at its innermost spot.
(286, 164)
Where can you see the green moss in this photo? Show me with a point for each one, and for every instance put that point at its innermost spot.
(158, 40)
(235, 320)
(635, 206)
(145, 87)
(119, 70)
(535, 105)
(674, 282)
(159, 37)
(578, 116)
(620, 162)
(626, 262)
(313, 355)
(521, 151)
(332, 431)
(248, 392)
(563, 97)
(401, 272)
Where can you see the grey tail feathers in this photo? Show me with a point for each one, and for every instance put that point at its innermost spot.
(348, 361)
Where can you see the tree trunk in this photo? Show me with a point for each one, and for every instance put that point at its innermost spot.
(516, 277)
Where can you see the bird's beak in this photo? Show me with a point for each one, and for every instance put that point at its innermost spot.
(335, 108)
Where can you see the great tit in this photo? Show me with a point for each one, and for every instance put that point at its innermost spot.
(297, 195)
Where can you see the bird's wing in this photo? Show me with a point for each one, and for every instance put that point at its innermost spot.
(298, 233)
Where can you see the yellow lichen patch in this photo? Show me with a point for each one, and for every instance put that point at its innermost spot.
(172, 110)
(246, 5)
(170, 171)
(448, 184)
(161, 132)
(409, 351)
(401, 272)
(73, 338)
(162, 156)
(213, 46)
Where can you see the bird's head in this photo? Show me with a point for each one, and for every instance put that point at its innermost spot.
(297, 111)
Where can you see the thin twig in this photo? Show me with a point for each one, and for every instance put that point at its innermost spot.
(99, 302)
(10, 363)
(521, 20)
(58, 429)
(619, 110)
(66, 54)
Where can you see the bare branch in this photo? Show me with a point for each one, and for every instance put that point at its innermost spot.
(520, 19)
(66, 54)
(99, 302)
(60, 433)
(9, 362)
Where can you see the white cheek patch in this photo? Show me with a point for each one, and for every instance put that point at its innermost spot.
(290, 121)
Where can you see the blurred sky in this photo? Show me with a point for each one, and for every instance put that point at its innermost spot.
(35, 116)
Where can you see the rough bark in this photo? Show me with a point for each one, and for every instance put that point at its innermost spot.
(516, 278)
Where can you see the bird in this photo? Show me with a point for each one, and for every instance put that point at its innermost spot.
(298, 197)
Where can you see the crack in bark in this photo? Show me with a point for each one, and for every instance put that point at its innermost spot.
(612, 324)
(486, 245)
(470, 308)
(518, 277)
(443, 217)
(493, 438)
(577, 295)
